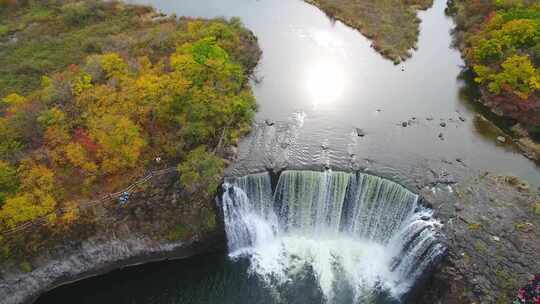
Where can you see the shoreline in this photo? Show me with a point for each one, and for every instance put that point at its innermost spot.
(522, 139)
(394, 54)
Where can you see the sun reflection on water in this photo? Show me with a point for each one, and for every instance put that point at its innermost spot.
(324, 82)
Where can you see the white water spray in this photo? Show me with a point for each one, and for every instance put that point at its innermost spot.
(354, 230)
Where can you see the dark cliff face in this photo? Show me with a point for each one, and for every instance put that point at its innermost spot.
(159, 222)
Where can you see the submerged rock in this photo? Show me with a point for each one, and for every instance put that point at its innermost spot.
(360, 132)
(269, 122)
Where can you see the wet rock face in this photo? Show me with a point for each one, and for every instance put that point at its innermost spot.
(94, 257)
(494, 242)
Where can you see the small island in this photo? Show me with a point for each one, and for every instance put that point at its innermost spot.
(393, 25)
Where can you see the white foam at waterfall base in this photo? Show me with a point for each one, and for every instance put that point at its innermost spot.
(353, 230)
(359, 264)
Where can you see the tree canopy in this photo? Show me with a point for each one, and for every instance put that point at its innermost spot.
(501, 41)
(173, 89)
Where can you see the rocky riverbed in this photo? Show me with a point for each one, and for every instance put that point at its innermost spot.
(492, 223)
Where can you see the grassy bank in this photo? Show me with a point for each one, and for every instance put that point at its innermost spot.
(95, 94)
(392, 24)
(500, 41)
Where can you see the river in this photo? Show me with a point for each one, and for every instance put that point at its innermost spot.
(327, 75)
(320, 85)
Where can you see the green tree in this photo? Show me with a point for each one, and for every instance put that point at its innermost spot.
(35, 199)
(488, 50)
(201, 172)
(518, 76)
(120, 142)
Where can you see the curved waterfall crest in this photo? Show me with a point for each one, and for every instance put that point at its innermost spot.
(356, 230)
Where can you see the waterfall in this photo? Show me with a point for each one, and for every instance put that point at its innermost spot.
(248, 212)
(355, 230)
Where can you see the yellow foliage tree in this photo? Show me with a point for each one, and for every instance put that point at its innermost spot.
(36, 198)
(119, 140)
(114, 65)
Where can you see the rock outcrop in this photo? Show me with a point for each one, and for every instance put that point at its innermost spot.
(492, 226)
(141, 231)
(94, 257)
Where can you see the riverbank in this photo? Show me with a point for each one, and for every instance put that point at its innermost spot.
(114, 156)
(500, 43)
(392, 25)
